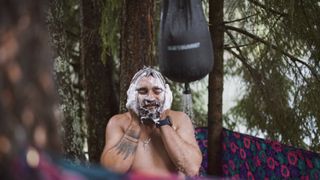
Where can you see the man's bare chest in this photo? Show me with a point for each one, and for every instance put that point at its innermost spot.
(152, 154)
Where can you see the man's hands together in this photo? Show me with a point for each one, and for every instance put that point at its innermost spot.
(155, 118)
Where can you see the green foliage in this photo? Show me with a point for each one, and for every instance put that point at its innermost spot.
(110, 28)
(275, 49)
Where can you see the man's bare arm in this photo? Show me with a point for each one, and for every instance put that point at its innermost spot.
(181, 145)
(120, 146)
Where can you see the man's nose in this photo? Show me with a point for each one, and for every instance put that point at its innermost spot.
(151, 95)
(149, 101)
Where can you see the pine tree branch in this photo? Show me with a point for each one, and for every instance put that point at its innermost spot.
(242, 45)
(300, 72)
(237, 46)
(267, 8)
(244, 62)
(255, 75)
(257, 38)
(241, 19)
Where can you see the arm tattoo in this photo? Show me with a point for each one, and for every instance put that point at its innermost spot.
(128, 144)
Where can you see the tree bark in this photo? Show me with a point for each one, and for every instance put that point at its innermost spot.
(136, 41)
(69, 93)
(215, 88)
(100, 99)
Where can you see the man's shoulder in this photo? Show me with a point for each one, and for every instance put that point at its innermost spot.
(180, 119)
(176, 113)
(178, 116)
(119, 119)
(122, 116)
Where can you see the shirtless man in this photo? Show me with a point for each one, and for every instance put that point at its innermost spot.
(151, 138)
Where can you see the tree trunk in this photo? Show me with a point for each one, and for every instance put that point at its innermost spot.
(100, 99)
(69, 93)
(215, 88)
(136, 41)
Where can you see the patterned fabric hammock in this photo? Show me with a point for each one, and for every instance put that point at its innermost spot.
(249, 157)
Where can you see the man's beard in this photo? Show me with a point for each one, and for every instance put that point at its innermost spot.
(148, 115)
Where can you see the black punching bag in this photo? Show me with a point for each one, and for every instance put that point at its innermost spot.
(185, 49)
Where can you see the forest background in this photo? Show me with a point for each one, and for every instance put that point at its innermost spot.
(270, 48)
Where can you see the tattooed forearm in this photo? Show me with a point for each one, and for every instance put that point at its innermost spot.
(128, 144)
(132, 133)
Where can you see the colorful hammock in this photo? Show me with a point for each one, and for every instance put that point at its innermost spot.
(248, 157)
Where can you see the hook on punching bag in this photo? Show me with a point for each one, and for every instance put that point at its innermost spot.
(185, 49)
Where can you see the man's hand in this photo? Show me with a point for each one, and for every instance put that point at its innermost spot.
(164, 114)
(147, 116)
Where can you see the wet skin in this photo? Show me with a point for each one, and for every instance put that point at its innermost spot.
(136, 146)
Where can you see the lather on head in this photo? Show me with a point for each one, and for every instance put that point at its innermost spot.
(132, 93)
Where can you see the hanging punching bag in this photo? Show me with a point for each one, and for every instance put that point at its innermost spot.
(185, 49)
